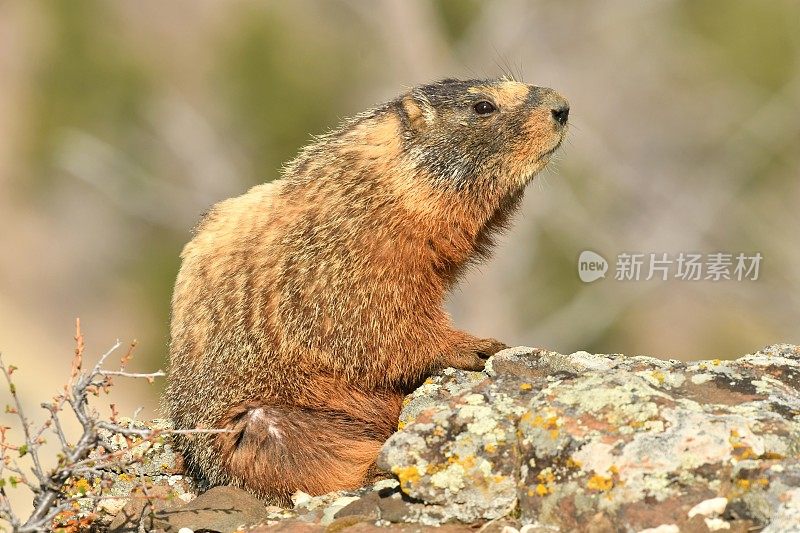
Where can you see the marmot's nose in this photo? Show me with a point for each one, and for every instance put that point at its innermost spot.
(561, 113)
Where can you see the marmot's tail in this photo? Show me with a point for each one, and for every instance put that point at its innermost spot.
(274, 450)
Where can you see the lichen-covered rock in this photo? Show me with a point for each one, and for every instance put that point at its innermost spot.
(539, 442)
(461, 454)
(147, 477)
(623, 443)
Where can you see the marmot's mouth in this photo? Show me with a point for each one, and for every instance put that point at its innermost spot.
(552, 150)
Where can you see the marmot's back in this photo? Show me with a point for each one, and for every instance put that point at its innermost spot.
(213, 305)
(305, 309)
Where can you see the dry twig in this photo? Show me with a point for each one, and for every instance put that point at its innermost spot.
(22, 464)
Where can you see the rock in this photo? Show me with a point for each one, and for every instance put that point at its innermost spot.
(224, 509)
(137, 514)
(367, 507)
(152, 466)
(335, 507)
(605, 442)
(543, 442)
(290, 526)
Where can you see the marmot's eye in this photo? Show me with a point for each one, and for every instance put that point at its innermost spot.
(484, 108)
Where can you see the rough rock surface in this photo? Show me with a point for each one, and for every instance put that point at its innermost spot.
(147, 479)
(542, 441)
(607, 442)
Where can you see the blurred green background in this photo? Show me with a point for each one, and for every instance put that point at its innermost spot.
(121, 122)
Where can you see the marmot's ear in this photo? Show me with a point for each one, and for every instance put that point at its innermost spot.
(419, 113)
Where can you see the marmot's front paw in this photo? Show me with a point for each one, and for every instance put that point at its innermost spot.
(488, 347)
(473, 353)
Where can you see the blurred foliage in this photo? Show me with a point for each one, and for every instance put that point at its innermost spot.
(692, 81)
(456, 16)
(755, 40)
(306, 91)
(86, 79)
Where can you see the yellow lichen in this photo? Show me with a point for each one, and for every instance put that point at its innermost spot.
(525, 386)
(659, 376)
(432, 468)
(747, 453)
(747, 484)
(545, 423)
(600, 483)
(81, 486)
(573, 464)
(546, 476)
(466, 462)
(741, 449)
(542, 490)
(406, 474)
(490, 448)
(772, 455)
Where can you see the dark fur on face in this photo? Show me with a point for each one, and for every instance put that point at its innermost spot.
(458, 146)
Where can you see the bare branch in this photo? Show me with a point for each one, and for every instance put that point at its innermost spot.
(86, 458)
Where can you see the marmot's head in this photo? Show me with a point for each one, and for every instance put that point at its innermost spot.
(479, 133)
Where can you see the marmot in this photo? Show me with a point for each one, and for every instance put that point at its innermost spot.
(307, 308)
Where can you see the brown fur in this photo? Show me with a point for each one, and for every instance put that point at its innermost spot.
(307, 308)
